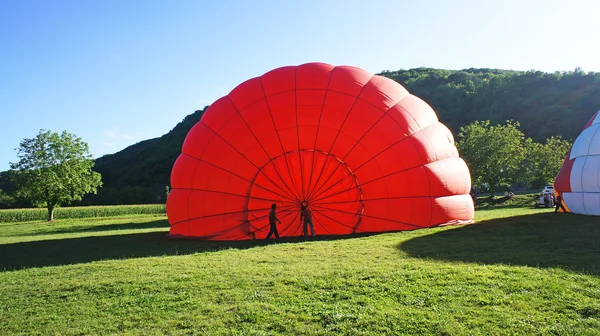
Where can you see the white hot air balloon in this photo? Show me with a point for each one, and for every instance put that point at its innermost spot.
(578, 182)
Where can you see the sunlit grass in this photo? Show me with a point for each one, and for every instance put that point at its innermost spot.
(536, 273)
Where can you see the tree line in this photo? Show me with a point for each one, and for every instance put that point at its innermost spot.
(501, 157)
(544, 104)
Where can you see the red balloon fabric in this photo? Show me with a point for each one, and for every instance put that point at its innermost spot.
(362, 152)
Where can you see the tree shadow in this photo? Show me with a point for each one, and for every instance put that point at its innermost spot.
(521, 201)
(68, 251)
(106, 227)
(541, 240)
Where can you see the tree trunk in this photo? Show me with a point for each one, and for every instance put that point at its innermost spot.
(50, 213)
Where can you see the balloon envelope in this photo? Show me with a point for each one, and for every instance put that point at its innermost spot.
(578, 181)
(359, 149)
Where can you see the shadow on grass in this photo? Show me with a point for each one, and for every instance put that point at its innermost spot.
(542, 240)
(121, 246)
(106, 227)
(486, 208)
(521, 201)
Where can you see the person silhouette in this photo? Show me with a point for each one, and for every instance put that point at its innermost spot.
(306, 219)
(559, 204)
(273, 222)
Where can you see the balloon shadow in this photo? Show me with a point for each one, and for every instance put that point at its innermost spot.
(541, 240)
(68, 251)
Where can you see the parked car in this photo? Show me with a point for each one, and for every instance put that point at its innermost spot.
(549, 189)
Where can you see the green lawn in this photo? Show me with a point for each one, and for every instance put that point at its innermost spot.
(517, 271)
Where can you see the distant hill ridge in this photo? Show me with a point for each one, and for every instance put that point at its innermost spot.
(140, 172)
(545, 104)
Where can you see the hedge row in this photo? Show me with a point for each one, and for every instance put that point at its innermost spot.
(24, 215)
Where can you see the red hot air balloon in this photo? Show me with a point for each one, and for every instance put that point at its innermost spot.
(363, 153)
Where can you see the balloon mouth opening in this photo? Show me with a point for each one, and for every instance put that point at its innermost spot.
(305, 179)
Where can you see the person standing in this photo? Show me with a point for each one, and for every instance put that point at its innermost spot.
(273, 222)
(559, 204)
(306, 219)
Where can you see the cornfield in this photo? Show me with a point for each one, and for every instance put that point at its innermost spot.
(24, 215)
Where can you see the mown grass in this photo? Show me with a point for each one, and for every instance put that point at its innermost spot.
(536, 273)
(39, 214)
(528, 200)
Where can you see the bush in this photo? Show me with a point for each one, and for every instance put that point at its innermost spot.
(6, 200)
(24, 215)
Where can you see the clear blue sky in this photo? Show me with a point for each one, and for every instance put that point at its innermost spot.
(118, 72)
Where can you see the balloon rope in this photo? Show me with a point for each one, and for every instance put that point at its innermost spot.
(258, 141)
(370, 216)
(285, 195)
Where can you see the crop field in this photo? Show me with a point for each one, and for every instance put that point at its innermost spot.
(40, 214)
(518, 270)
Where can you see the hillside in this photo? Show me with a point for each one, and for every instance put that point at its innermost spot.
(139, 173)
(545, 104)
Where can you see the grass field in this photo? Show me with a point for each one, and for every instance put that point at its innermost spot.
(517, 271)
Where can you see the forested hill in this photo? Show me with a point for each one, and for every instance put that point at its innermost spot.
(545, 104)
(140, 173)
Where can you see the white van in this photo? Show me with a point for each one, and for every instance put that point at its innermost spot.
(549, 189)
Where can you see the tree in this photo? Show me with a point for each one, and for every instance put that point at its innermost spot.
(5, 200)
(54, 169)
(494, 154)
(543, 161)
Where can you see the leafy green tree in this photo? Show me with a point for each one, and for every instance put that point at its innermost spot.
(543, 161)
(54, 169)
(494, 154)
(6, 200)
